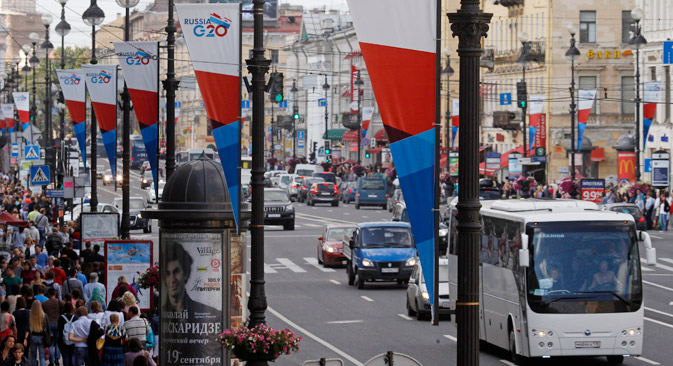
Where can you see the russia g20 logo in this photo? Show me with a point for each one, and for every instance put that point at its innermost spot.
(215, 26)
(141, 57)
(71, 80)
(101, 78)
(20, 98)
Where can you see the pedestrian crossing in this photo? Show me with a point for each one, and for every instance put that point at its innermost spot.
(660, 266)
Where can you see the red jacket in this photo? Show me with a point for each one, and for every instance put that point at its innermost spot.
(59, 275)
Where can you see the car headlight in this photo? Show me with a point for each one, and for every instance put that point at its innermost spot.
(289, 208)
(367, 263)
(425, 295)
(331, 250)
(410, 262)
(140, 216)
(144, 181)
(443, 232)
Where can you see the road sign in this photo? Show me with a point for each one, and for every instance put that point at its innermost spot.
(245, 104)
(505, 98)
(283, 104)
(31, 152)
(68, 187)
(540, 151)
(15, 150)
(647, 168)
(39, 175)
(322, 102)
(668, 52)
(321, 152)
(365, 142)
(54, 193)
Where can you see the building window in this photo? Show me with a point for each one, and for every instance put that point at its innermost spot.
(589, 83)
(274, 56)
(627, 22)
(588, 26)
(653, 73)
(628, 95)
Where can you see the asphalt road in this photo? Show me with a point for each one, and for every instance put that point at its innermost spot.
(339, 321)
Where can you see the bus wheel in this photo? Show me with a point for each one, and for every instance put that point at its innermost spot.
(615, 360)
(516, 358)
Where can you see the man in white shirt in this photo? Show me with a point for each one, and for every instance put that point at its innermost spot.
(79, 334)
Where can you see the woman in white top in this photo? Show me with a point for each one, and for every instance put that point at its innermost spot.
(96, 312)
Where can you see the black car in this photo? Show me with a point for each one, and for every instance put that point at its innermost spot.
(323, 193)
(278, 210)
(628, 208)
(306, 186)
(490, 194)
(136, 221)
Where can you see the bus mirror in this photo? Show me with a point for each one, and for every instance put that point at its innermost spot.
(523, 257)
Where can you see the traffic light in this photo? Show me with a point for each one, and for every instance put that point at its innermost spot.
(276, 87)
(521, 94)
(328, 150)
(295, 111)
(367, 155)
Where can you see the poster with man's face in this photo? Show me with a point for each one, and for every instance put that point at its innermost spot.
(192, 297)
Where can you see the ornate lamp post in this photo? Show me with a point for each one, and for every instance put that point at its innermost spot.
(448, 71)
(93, 16)
(523, 104)
(126, 130)
(170, 85)
(295, 117)
(359, 85)
(326, 87)
(47, 46)
(62, 29)
(34, 63)
(637, 41)
(25, 70)
(572, 54)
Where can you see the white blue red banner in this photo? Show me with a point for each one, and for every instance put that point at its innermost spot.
(536, 103)
(213, 36)
(367, 114)
(101, 80)
(8, 113)
(651, 95)
(73, 87)
(22, 102)
(455, 120)
(586, 102)
(140, 65)
(406, 102)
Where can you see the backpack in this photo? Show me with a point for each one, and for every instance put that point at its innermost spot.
(54, 243)
(667, 206)
(67, 329)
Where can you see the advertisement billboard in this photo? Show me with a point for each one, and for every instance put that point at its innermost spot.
(453, 164)
(127, 258)
(97, 227)
(592, 190)
(626, 167)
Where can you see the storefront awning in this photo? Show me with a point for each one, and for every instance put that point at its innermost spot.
(336, 134)
(598, 154)
(353, 55)
(350, 136)
(376, 150)
(504, 158)
(380, 135)
(484, 171)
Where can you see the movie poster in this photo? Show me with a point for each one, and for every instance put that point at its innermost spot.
(127, 258)
(193, 270)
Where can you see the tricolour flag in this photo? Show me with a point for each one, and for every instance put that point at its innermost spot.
(212, 33)
(101, 80)
(3, 125)
(22, 102)
(455, 120)
(367, 114)
(536, 104)
(650, 100)
(140, 64)
(8, 113)
(586, 102)
(406, 102)
(73, 87)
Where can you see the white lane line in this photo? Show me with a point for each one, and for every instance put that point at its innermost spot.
(290, 265)
(347, 213)
(507, 362)
(451, 337)
(378, 211)
(656, 237)
(315, 208)
(405, 317)
(669, 260)
(290, 235)
(646, 269)
(659, 265)
(312, 225)
(670, 303)
(659, 312)
(658, 285)
(335, 282)
(647, 360)
(297, 328)
(268, 269)
(330, 210)
(659, 322)
(345, 321)
(365, 217)
(367, 298)
(314, 262)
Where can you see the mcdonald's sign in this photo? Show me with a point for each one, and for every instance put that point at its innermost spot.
(627, 166)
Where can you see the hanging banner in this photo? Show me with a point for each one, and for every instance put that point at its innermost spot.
(354, 76)
(140, 65)
(22, 102)
(3, 125)
(586, 102)
(541, 134)
(367, 113)
(213, 36)
(8, 113)
(74, 92)
(536, 102)
(650, 99)
(101, 80)
(406, 102)
(455, 120)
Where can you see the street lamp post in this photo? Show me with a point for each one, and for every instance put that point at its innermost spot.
(93, 16)
(326, 87)
(62, 29)
(170, 85)
(359, 84)
(448, 71)
(49, 141)
(572, 54)
(295, 116)
(523, 59)
(469, 24)
(126, 130)
(34, 63)
(637, 41)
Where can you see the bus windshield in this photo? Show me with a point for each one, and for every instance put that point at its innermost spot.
(584, 267)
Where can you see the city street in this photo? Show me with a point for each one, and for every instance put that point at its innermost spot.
(340, 321)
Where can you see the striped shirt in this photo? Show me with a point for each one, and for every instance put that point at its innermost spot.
(137, 327)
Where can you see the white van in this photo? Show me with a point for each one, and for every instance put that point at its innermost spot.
(307, 170)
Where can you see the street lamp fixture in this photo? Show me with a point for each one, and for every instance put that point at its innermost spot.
(326, 87)
(637, 42)
(572, 54)
(359, 84)
(62, 29)
(522, 90)
(448, 71)
(49, 139)
(93, 15)
(295, 117)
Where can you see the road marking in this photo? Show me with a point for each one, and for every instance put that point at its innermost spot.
(290, 265)
(451, 337)
(315, 208)
(345, 321)
(507, 362)
(658, 285)
(647, 360)
(670, 303)
(656, 237)
(669, 260)
(659, 322)
(659, 265)
(330, 210)
(297, 328)
(268, 269)
(659, 312)
(367, 298)
(646, 269)
(314, 262)
(313, 225)
(404, 317)
(323, 219)
(347, 213)
(365, 217)
(335, 282)
(378, 211)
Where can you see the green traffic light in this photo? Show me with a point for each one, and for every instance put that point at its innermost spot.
(296, 116)
(522, 104)
(367, 155)
(328, 151)
(279, 98)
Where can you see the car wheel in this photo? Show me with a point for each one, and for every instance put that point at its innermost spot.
(385, 206)
(402, 282)
(419, 315)
(410, 311)
(513, 356)
(335, 204)
(288, 226)
(361, 282)
(349, 272)
(615, 360)
(357, 206)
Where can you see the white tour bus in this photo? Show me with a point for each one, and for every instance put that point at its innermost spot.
(557, 278)
(183, 157)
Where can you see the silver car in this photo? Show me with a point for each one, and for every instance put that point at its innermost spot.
(418, 302)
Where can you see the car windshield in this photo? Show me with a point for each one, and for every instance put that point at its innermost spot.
(337, 234)
(285, 179)
(328, 177)
(582, 267)
(275, 196)
(136, 204)
(381, 237)
(631, 210)
(373, 184)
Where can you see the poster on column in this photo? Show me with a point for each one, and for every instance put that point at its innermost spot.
(128, 258)
(192, 295)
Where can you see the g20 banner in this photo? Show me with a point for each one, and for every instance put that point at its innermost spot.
(74, 93)
(22, 101)
(102, 83)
